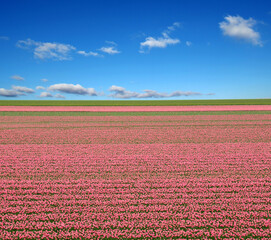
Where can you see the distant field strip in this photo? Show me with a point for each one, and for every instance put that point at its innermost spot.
(134, 102)
(71, 113)
(135, 108)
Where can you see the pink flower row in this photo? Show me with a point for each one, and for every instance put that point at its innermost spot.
(136, 134)
(136, 108)
(137, 119)
(134, 161)
(135, 129)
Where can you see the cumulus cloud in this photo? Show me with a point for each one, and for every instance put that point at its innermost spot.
(73, 89)
(188, 43)
(47, 50)
(44, 80)
(120, 92)
(4, 38)
(17, 77)
(109, 50)
(23, 89)
(240, 28)
(45, 94)
(10, 93)
(15, 91)
(59, 96)
(86, 54)
(40, 87)
(161, 42)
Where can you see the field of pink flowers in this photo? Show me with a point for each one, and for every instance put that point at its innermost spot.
(203, 108)
(135, 177)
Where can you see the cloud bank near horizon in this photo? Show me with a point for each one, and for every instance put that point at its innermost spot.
(77, 89)
(122, 93)
(16, 91)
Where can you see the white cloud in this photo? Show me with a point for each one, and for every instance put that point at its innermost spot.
(17, 77)
(60, 51)
(240, 28)
(59, 96)
(188, 43)
(4, 38)
(111, 43)
(109, 50)
(44, 80)
(116, 88)
(10, 93)
(25, 44)
(160, 42)
(40, 87)
(182, 93)
(15, 91)
(47, 50)
(55, 51)
(171, 28)
(45, 94)
(73, 89)
(86, 54)
(23, 89)
(120, 92)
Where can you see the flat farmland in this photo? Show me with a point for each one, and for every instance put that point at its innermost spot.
(135, 175)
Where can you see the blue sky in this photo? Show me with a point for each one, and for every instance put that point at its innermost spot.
(189, 49)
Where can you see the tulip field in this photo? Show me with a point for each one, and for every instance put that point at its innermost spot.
(135, 176)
